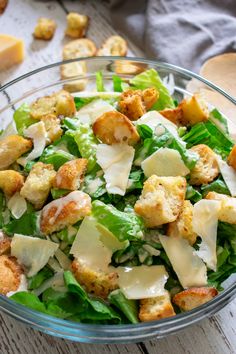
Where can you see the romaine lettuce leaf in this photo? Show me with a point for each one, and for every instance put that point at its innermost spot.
(35, 281)
(87, 144)
(125, 226)
(167, 139)
(217, 186)
(23, 118)
(55, 156)
(151, 78)
(27, 224)
(99, 82)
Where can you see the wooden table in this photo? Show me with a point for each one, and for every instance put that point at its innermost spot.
(215, 335)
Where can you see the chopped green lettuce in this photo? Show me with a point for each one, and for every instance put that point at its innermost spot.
(193, 194)
(23, 118)
(55, 156)
(99, 82)
(217, 186)
(151, 78)
(219, 120)
(58, 193)
(87, 144)
(117, 83)
(125, 226)
(27, 224)
(128, 307)
(35, 281)
(82, 101)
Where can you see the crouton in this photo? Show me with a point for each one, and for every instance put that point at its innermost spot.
(134, 103)
(65, 211)
(71, 174)
(232, 158)
(45, 29)
(182, 226)
(195, 110)
(71, 70)
(193, 297)
(174, 115)
(5, 244)
(11, 182)
(113, 127)
(10, 274)
(206, 168)
(156, 308)
(3, 5)
(113, 46)
(38, 184)
(161, 200)
(129, 67)
(11, 148)
(76, 25)
(53, 127)
(97, 283)
(60, 103)
(79, 48)
(227, 211)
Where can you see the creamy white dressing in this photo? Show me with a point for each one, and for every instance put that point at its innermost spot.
(80, 198)
(164, 162)
(190, 269)
(205, 223)
(143, 281)
(116, 162)
(94, 185)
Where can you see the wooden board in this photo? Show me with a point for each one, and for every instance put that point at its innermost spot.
(216, 335)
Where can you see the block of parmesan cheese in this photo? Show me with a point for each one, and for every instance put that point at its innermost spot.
(11, 51)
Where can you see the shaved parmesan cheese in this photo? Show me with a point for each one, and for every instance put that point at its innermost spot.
(103, 94)
(164, 162)
(91, 111)
(38, 134)
(56, 283)
(32, 252)
(116, 161)
(190, 269)
(153, 118)
(228, 174)
(63, 260)
(205, 223)
(17, 205)
(88, 248)
(142, 282)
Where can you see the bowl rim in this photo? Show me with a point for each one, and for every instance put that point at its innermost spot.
(61, 327)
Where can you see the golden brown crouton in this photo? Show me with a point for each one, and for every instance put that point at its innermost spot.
(161, 200)
(206, 168)
(232, 158)
(71, 70)
(11, 182)
(11, 148)
(156, 308)
(5, 244)
(3, 5)
(38, 184)
(60, 103)
(53, 127)
(227, 211)
(65, 211)
(113, 46)
(174, 115)
(113, 127)
(195, 110)
(182, 226)
(10, 273)
(134, 103)
(45, 29)
(79, 48)
(76, 25)
(129, 67)
(95, 282)
(193, 297)
(71, 174)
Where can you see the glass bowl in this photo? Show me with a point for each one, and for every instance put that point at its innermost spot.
(45, 80)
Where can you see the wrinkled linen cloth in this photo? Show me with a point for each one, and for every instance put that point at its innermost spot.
(180, 32)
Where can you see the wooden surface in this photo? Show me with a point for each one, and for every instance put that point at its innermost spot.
(215, 335)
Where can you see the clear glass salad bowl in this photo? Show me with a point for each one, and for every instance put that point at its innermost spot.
(45, 80)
